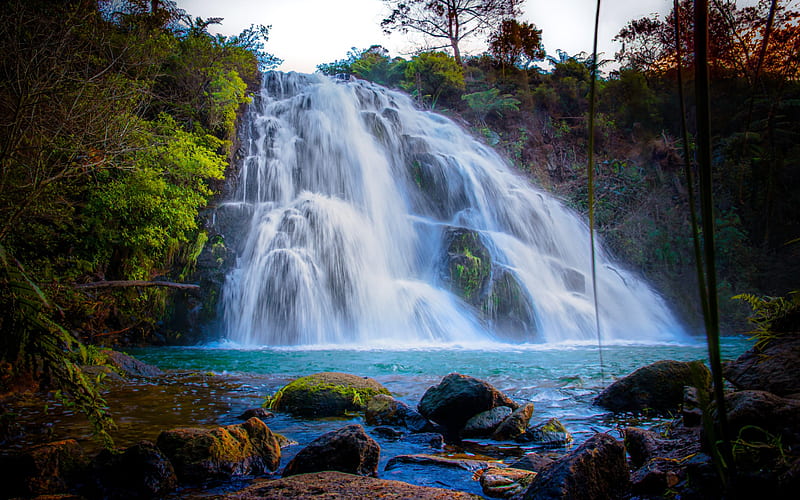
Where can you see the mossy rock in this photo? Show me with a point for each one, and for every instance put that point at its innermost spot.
(509, 308)
(326, 394)
(469, 265)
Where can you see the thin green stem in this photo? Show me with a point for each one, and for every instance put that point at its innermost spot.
(592, 99)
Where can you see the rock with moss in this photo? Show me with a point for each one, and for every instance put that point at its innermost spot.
(550, 433)
(348, 449)
(326, 394)
(508, 307)
(469, 264)
(656, 388)
(199, 455)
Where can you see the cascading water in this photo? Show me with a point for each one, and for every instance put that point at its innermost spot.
(372, 222)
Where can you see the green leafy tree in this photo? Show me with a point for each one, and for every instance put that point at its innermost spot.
(432, 75)
(490, 101)
(451, 21)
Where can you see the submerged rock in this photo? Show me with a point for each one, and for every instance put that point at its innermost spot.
(459, 397)
(338, 485)
(202, 454)
(596, 470)
(260, 413)
(655, 388)
(348, 449)
(515, 424)
(550, 433)
(533, 462)
(383, 409)
(326, 394)
(469, 464)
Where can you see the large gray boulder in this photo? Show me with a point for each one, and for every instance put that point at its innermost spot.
(655, 388)
(459, 397)
(348, 449)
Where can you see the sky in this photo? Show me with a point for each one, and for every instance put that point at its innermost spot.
(306, 33)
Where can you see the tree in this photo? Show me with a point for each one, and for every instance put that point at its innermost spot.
(449, 20)
(517, 44)
(431, 75)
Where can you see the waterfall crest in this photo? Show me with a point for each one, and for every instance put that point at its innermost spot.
(371, 222)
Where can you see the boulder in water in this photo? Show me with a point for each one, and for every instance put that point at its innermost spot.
(383, 409)
(596, 470)
(550, 433)
(504, 482)
(655, 388)
(533, 462)
(348, 449)
(220, 453)
(326, 394)
(457, 398)
(484, 423)
(515, 424)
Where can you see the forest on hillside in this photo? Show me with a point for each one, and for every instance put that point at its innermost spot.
(119, 126)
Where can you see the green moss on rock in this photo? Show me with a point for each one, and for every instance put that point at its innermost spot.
(325, 394)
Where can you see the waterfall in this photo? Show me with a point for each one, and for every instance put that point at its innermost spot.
(367, 221)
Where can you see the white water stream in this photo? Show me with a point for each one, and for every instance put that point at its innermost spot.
(354, 199)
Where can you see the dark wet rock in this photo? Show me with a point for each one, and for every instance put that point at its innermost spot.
(774, 368)
(387, 432)
(654, 478)
(259, 413)
(140, 471)
(595, 470)
(515, 424)
(130, 366)
(44, 469)
(326, 394)
(383, 409)
(691, 410)
(199, 455)
(484, 423)
(655, 388)
(533, 462)
(331, 485)
(504, 482)
(763, 411)
(432, 439)
(642, 445)
(348, 449)
(457, 398)
(436, 461)
(508, 307)
(550, 433)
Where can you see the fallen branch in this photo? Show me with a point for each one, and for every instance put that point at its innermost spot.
(129, 283)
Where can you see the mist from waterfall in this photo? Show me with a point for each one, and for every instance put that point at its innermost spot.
(354, 205)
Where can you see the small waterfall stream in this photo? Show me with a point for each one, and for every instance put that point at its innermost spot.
(374, 223)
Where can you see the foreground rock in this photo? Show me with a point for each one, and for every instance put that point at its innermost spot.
(41, 470)
(348, 449)
(459, 397)
(774, 368)
(655, 388)
(326, 394)
(221, 453)
(515, 424)
(331, 485)
(596, 470)
(484, 423)
(505, 482)
(141, 471)
(750, 413)
(436, 461)
(386, 410)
